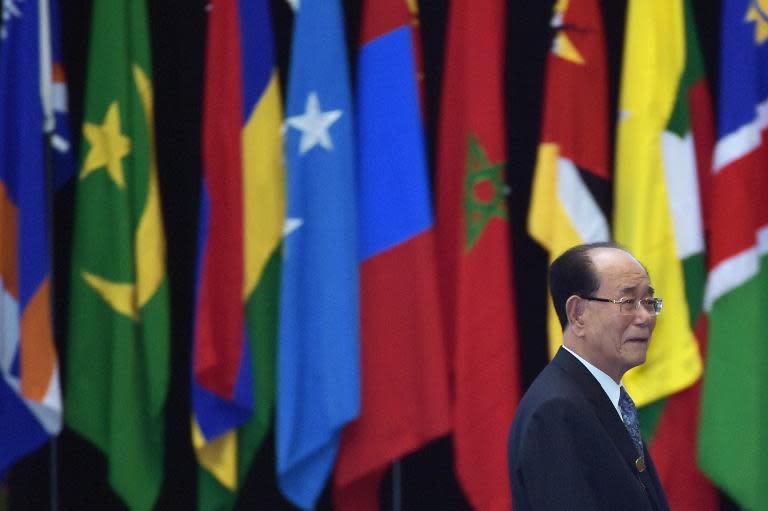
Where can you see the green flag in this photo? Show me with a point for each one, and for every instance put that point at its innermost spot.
(733, 433)
(118, 348)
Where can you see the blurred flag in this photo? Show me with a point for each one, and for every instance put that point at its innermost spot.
(733, 445)
(571, 184)
(656, 203)
(687, 142)
(30, 396)
(318, 360)
(118, 347)
(405, 398)
(474, 247)
(241, 224)
(57, 104)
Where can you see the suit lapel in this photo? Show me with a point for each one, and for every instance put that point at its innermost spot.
(602, 404)
(610, 419)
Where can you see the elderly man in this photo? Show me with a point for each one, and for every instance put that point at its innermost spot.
(575, 442)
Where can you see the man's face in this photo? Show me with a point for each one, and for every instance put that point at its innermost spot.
(614, 341)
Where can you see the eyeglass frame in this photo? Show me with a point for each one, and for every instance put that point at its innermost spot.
(657, 303)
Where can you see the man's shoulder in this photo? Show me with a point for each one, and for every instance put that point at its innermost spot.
(554, 393)
(553, 384)
(560, 378)
(552, 411)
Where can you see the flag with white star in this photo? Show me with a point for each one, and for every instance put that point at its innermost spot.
(318, 348)
(119, 340)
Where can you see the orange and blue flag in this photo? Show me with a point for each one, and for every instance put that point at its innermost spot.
(30, 397)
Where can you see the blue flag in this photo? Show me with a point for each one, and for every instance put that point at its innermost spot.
(30, 398)
(318, 347)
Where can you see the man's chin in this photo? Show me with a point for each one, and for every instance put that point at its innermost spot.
(638, 348)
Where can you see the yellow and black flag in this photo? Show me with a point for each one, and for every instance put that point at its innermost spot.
(571, 185)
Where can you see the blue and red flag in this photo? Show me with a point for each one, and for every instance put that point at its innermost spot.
(405, 396)
(242, 217)
(222, 376)
(30, 397)
(318, 359)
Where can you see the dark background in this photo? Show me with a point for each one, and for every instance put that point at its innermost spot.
(178, 43)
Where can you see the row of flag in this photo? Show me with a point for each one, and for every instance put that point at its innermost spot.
(685, 202)
(321, 303)
(318, 304)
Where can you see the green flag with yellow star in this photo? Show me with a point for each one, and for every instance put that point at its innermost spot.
(118, 346)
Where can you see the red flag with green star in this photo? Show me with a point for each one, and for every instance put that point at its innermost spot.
(474, 250)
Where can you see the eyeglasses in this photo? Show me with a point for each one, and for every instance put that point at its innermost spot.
(632, 305)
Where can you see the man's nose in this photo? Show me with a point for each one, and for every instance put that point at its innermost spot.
(643, 316)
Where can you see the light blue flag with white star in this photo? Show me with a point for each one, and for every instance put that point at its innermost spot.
(318, 389)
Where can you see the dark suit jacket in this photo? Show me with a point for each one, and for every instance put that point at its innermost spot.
(569, 449)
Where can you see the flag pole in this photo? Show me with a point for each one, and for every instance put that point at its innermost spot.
(53, 458)
(397, 494)
(46, 64)
(53, 461)
(53, 467)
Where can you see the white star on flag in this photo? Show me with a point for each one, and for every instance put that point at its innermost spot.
(314, 124)
(291, 224)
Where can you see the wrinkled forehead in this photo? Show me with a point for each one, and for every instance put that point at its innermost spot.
(621, 274)
(627, 284)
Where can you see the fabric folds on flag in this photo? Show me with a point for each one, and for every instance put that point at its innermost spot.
(688, 141)
(732, 437)
(118, 344)
(241, 223)
(474, 247)
(30, 396)
(656, 190)
(318, 360)
(405, 397)
(571, 187)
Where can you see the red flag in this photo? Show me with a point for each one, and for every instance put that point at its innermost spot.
(473, 243)
(673, 447)
(405, 397)
(572, 182)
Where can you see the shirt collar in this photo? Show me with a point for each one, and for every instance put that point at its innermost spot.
(611, 388)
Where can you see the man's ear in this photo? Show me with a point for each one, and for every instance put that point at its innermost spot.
(574, 309)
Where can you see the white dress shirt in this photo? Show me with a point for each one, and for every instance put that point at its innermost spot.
(611, 388)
